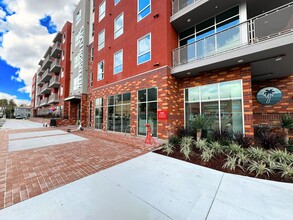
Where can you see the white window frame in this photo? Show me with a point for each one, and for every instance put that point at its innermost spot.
(138, 12)
(101, 45)
(61, 91)
(115, 65)
(117, 32)
(100, 73)
(116, 2)
(93, 29)
(62, 72)
(150, 51)
(102, 15)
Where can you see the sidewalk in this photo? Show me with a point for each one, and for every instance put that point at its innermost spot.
(34, 159)
(153, 187)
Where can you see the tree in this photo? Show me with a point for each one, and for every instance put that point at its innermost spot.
(198, 123)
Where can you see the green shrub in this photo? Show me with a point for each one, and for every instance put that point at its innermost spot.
(231, 163)
(201, 144)
(175, 140)
(286, 170)
(216, 147)
(168, 148)
(257, 154)
(269, 140)
(207, 154)
(259, 168)
(233, 149)
(185, 146)
(223, 136)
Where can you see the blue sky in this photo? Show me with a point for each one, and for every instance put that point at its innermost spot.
(27, 29)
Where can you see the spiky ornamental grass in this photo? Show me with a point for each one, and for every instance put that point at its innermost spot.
(286, 170)
(168, 148)
(207, 154)
(257, 154)
(242, 159)
(233, 149)
(201, 144)
(216, 147)
(185, 146)
(281, 156)
(259, 168)
(231, 163)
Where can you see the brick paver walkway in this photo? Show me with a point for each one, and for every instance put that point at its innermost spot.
(27, 173)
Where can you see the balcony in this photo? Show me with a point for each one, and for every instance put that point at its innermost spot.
(40, 71)
(38, 104)
(39, 81)
(54, 82)
(39, 91)
(55, 66)
(44, 102)
(46, 76)
(45, 89)
(58, 37)
(47, 62)
(262, 38)
(56, 50)
(53, 98)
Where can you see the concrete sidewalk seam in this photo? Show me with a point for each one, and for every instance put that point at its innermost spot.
(215, 196)
(136, 196)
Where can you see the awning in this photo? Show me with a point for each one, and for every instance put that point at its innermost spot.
(73, 98)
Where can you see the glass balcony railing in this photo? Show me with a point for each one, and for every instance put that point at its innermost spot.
(244, 34)
(178, 5)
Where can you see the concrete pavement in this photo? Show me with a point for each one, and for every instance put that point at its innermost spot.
(153, 186)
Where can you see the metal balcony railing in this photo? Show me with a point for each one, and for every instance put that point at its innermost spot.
(244, 34)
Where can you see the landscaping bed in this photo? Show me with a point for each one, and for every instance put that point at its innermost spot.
(267, 156)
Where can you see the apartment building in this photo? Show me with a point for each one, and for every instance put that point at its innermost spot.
(233, 60)
(160, 62)
(81, 27)
(52, 77)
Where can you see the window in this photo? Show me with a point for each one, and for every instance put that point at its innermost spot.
(144, 8)
(75, 83)
(102, 10)
(147, 110)
(64, 38)
(222, 101)
(100, 70)
(144, 49)
(118, 62)
(93, 29)
(116, 2)
(91, 79)
(76, 60)
(119, 112)
(204, 39)
(92, 53)
(78, 17)
(62, 72)
(118, 26)
(61, 91)
(101, 40)
(76, 39)
(62, 54)
(99, 113)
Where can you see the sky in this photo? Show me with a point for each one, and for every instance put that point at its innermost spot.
(27, 28)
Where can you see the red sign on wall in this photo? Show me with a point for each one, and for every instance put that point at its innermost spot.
(163, 115)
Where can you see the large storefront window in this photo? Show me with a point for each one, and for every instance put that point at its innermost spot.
(99, 113)
(147, 110)
(222, 101)
(119, 112)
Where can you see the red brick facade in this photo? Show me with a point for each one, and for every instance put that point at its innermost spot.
(270, 114)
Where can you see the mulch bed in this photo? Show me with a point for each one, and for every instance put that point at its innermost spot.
(217, 163)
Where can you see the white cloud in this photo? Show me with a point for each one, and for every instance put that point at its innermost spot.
(2, 13)
(26, 41)
(16, 100)
(16, 78)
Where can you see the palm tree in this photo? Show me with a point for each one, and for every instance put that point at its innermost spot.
(286, 124)
(268, 94)
(199, 122)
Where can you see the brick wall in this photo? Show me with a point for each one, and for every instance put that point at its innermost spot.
(160, 78)
(270, 114)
